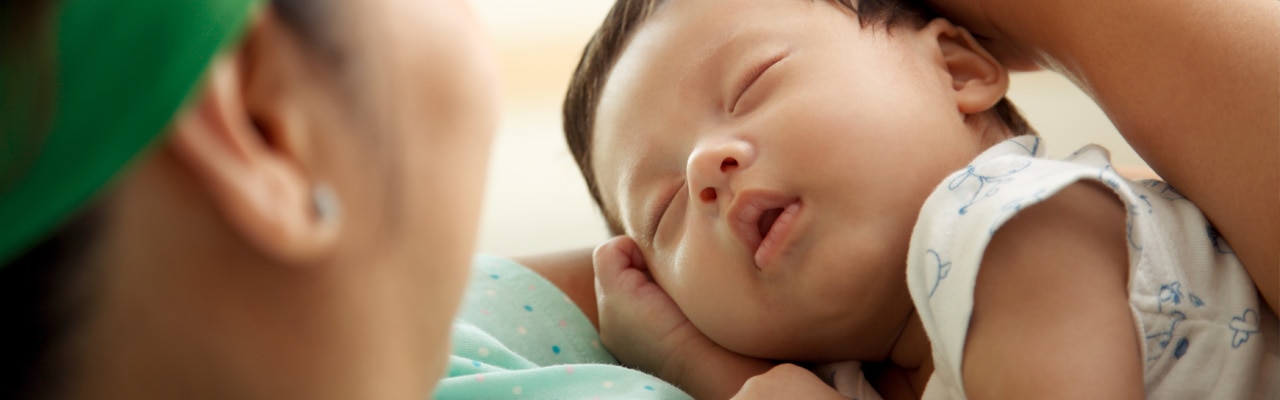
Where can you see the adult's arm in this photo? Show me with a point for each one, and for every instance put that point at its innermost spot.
(571, 271)
(1194, 87)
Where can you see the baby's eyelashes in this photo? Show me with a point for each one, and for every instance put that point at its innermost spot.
(737, 106)
(657, 218)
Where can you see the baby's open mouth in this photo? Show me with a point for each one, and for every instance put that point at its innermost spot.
(761, 220)
(766, 221)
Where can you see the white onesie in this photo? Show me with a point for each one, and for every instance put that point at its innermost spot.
(1206, 334)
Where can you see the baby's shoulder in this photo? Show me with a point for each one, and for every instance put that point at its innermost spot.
(1050, 296)
(1050, 241)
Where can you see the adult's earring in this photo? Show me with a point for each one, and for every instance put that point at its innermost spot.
(325, 203)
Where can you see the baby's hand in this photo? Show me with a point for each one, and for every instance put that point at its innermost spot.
(639, 323)
(644, 329)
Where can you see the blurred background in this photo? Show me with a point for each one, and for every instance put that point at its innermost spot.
(536, 201)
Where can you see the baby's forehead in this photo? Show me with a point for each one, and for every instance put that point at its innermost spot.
(661, 61)
(657, 67)
(673, 55)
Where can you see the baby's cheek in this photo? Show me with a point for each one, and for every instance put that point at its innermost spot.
(720, 299)
(762, 339)
(735, 323)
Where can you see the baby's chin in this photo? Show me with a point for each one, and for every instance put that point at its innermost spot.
(783, 345)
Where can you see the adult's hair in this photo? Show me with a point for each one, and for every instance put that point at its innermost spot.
(48, 291)
(626, 17)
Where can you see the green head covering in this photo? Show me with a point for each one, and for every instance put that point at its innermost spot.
(121, 70)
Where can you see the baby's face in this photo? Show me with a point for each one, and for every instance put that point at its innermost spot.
(770, 158)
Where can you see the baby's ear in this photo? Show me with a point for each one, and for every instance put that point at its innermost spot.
(978, 81)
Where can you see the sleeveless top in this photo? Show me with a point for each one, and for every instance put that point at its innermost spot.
(1205, 332)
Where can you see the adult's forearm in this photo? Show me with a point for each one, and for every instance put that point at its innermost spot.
(570, 271)
(1194, 87)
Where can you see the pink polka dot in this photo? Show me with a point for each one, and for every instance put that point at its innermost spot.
(480, 378)
(568, 369)
(563, 323)
(484, 311)
(532, 287)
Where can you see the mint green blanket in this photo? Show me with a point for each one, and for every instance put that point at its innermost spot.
(517, 336)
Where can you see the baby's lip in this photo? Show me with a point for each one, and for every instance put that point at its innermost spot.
(746, 211)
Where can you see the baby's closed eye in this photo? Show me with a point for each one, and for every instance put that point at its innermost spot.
(753, 75)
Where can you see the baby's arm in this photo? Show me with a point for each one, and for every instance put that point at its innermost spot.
(645, 330)
(1051, 315)
(1192, 85)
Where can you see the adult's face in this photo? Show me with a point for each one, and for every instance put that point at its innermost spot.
(425, 84)
(223, 277)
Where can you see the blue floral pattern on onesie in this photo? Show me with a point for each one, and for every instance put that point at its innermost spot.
(1193, 303)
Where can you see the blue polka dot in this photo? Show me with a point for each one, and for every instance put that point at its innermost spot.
(475, 363)
(555, 349)
(649, 388)
(494, 276)
(528, 308)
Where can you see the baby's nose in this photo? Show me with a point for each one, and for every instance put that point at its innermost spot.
(708, 194)
(712, 167)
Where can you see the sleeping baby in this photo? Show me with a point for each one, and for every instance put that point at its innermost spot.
(820, 181)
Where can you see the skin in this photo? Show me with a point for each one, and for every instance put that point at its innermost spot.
(826, 125)
(786, 380)
(216, 278)
(644, 329)
(570, 271)
(1028, 340)
(1215, 140)
(1031, 334)
(804, 132)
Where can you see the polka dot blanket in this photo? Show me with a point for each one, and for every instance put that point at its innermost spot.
(517, 336)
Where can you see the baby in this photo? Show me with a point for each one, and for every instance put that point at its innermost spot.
(820, 181)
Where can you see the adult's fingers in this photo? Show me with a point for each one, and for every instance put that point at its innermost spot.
(786, 380)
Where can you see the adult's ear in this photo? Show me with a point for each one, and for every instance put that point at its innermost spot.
(978, 80)
(257, 174)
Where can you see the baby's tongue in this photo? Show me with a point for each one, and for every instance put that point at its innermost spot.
(766, 221)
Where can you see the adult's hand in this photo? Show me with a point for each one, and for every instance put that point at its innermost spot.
(787, 381)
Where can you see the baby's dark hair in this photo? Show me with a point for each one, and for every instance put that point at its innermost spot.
(626, 16)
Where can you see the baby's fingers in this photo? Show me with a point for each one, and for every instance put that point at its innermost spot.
(619, 265)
